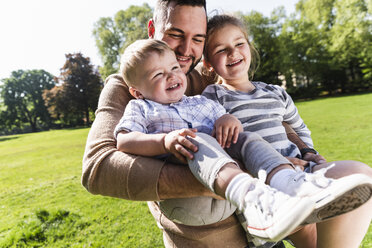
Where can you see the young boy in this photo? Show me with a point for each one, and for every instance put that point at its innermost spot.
(162, 120)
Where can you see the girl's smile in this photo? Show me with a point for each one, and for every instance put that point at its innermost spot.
(229, 54)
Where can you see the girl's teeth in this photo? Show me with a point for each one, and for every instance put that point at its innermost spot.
(233, 63)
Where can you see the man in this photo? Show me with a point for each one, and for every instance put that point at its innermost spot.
(106, 171)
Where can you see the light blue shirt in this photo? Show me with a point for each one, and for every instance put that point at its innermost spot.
(147, 116)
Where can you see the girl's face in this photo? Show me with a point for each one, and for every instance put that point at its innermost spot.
(229, 53)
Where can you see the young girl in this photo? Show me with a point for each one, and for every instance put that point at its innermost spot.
(262, 108)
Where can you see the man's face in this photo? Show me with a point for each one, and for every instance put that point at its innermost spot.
(184, 32)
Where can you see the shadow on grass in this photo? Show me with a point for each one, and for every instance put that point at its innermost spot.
(8, 138)
(44, 228)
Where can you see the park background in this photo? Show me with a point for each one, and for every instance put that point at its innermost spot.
(320, 50)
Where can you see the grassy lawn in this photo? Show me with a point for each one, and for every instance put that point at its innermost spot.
(42, 202)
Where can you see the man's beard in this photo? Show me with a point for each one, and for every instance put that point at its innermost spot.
(193, 64)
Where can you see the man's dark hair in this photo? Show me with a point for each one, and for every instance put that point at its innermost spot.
(161, 8)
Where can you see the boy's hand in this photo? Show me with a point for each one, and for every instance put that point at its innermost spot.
(226, 130)
(176, 142)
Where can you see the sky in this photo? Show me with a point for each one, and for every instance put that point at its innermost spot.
(36, 34)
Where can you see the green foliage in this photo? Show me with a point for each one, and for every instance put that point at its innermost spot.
(77, 95)
(22, 99)
(263, 31)
(344, 34)
(113, 35)
(323, 48)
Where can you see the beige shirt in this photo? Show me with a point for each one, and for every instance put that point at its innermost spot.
(109, 172)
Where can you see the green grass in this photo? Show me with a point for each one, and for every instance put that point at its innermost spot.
(341, 126)
(42, 202)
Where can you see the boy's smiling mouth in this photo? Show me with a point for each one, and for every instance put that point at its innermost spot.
(174, 86)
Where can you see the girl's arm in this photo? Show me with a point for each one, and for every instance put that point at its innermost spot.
(308, 156)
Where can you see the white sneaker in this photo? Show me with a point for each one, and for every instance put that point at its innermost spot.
(332, 197)
(269, 213)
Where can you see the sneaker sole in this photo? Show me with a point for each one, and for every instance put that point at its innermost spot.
(342, 204)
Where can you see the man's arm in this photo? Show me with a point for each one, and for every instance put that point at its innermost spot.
(107, 171)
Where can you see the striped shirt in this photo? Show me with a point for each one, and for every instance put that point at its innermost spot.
(147, 116)
(262, 111)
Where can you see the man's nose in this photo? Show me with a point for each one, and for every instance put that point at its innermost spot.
(185, 47)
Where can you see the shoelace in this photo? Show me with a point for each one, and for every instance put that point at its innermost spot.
(264, 196)
(317, 178)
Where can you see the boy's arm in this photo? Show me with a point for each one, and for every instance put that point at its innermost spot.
(141, 143)
(175, 142)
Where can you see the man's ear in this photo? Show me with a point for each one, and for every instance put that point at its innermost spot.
(135, 93)
(207, 65)
(151, 29)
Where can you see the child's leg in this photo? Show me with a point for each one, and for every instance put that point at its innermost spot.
(270, 214)
(332, 197)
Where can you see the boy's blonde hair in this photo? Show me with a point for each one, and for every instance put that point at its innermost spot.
(220, 21)
(135, 54)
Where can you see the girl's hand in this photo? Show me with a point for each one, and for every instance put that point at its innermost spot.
(298, 162)
(176, 142)
(317, 158)
(226, 130)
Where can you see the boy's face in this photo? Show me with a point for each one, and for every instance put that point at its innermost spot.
(160, 79)
(229, 54)
(184, 32)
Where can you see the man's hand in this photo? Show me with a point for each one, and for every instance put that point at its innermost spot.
(317, 158)
(226, 130)
(176, 142)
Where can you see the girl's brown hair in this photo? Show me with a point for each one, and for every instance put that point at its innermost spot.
(220, 21)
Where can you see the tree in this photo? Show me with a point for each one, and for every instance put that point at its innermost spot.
(77, 95)
(264, 32)
(114, 35)
(22, 98)
(345, 26)
(303, 55)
